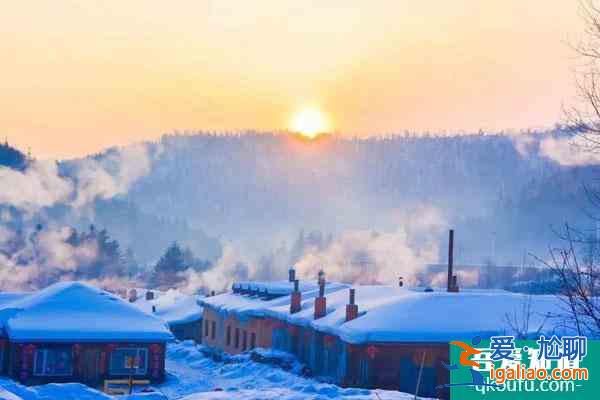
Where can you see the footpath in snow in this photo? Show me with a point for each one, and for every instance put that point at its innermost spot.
(193, 376)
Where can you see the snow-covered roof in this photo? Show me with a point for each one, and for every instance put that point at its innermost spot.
(74, 311)
(394, 314)
(9, 297)
(256, 305)
(171, 306)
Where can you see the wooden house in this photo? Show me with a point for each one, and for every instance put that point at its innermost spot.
(386, 337)
(181, 312)
(237, 321)
(71, 332)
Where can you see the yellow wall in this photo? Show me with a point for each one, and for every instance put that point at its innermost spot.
(260, 327)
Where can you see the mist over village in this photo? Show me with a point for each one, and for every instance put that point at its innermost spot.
(403, 204)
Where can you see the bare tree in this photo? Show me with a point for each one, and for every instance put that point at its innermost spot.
(578, 275)
(579, 282)
(519, 320)
(584, 117)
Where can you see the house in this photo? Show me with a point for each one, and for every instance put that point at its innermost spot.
(181, 312)
(365, 336)
(385, 337)
(72, 332)
(236, 321)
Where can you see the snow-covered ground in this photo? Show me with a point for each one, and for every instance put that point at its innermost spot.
(193, 376)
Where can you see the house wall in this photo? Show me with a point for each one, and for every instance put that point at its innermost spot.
(256, 331)
(395, 366)
(3, 355)
(20, 362)
(188, 331)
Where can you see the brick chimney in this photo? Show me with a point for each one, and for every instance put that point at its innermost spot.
(351, 307)
(321, 302)
(132, 295)
(296, 298)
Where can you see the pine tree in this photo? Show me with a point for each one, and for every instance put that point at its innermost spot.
(168, 268)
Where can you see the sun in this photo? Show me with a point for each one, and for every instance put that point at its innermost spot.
(309, 122)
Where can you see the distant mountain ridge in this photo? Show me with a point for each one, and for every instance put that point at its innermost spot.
(261, 189)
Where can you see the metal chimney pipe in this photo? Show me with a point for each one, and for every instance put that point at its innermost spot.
(292, 275)
(322, 289)
(296, 285)
(352, 296)
(450, 259)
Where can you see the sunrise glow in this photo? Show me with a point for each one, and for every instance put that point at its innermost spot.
(310, 122)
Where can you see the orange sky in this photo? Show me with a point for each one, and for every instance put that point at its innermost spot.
(77, 77)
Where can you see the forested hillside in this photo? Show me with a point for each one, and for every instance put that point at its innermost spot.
(250, 205)
(502, 195)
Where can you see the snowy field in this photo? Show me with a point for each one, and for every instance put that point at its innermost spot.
(193, 376)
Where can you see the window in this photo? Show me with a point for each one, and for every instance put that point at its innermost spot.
(228, 336)
(244, 340)
(129, 361)
(213, 333)
(252, 340)
(237, 338)
(56, 361)
(206, 327)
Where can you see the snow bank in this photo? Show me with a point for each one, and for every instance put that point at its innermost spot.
(10, 390)
(193, 376)
(73, 311)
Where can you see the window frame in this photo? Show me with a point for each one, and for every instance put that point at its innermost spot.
(228, 336)
(213, 333)
(237, 338)
(252, 340)
(127, 373)
(45, 351)
(244, 340)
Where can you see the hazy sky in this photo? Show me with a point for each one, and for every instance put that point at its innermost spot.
(76, 76)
